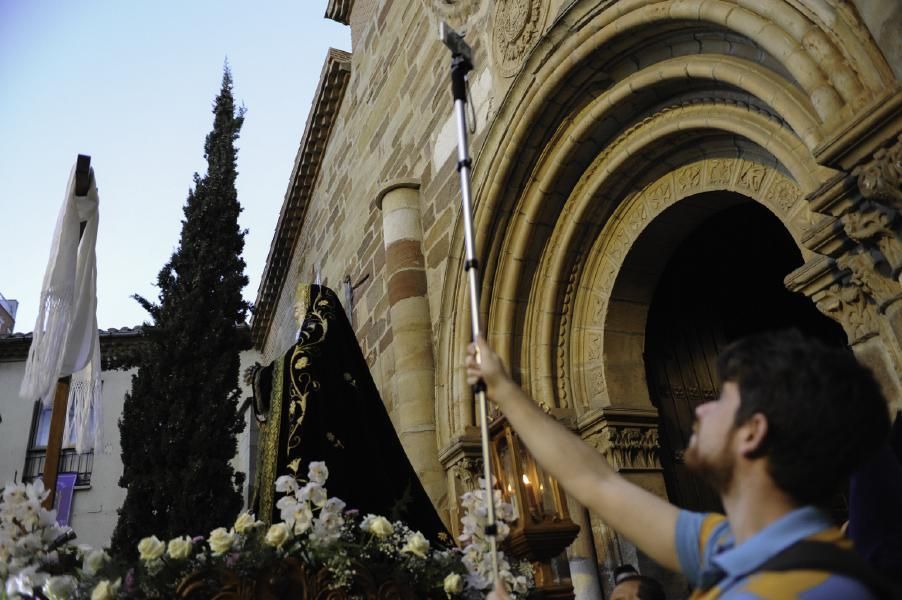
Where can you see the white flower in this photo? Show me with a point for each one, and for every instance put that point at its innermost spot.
(302, 518)
(417, 544)
(246, 521)
(334, 505)
(378, 526)
(179, 548)
(286, 484)
(318, 473)
(313, 492)
(150, 548)
(93, 562)
(277, 535)
(221, 540)
(453, 584)
(106, 590)
(60, 588)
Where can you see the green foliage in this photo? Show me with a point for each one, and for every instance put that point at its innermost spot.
(180, 421)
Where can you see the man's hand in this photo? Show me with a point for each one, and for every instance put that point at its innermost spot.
(499, 593)
(483, 363)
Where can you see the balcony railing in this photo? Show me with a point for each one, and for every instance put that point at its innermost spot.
(70, 462)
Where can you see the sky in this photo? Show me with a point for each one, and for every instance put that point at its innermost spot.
(132, 85)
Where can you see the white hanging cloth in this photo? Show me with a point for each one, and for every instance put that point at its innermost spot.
(65, 340)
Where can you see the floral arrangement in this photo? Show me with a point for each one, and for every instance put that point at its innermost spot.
(316, 533)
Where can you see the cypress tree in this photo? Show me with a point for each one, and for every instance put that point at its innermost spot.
(180, 420)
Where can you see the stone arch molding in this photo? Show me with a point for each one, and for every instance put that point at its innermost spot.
(598, 318)
(808, 67)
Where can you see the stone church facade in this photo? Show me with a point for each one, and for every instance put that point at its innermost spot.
(651, 179)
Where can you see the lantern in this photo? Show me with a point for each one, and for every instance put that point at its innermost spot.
(542, 529)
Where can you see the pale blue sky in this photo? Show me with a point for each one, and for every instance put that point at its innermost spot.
(132, 84)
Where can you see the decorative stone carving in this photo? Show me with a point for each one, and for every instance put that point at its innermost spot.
(517, 26)
(628, 438)
(874, 223)
(782, 194)
(751, 176)
(720, 171)
(865, 275)
(630, 448)
(453, 11)
(847, 304)
(468, 471)
(881, 179)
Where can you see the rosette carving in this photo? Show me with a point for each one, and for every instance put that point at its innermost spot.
(518, 24)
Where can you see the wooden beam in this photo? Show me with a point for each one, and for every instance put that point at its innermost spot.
(55, 438)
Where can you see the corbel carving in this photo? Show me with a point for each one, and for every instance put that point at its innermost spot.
(881, 178)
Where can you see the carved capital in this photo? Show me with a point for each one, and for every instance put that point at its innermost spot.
(628, 438)
(463, 459)
(881, 178)
(848, 305)
(875, 225)
(865, 275)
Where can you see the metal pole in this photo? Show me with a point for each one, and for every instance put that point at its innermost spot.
(461, 64)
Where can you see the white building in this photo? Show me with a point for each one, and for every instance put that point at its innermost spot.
(24, 427)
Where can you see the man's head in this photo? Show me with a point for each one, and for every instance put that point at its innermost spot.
(630, 585)
(811, 411)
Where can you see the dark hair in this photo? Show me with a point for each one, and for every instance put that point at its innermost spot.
(624, 572)
(825, 412)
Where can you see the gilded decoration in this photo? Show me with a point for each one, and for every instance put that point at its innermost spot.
(517, 26)
(270, 443)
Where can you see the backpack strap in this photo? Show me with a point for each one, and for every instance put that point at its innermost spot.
(824, 556)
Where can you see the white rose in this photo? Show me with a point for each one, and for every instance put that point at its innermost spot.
(453, 584)
(417, 544)
(150, 548)
(179, 548)
(60, 588)
(277, 535)
(106, 590)
(221, 540)
(93, 561)
(381, 527)
(245, 521)
(318, 473)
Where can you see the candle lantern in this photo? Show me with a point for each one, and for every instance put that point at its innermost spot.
(542, 528)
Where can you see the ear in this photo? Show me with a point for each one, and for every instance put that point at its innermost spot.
(752, 436)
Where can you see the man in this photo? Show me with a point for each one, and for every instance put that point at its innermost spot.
(793, 419)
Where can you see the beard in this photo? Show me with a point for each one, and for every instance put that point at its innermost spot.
(716, 470)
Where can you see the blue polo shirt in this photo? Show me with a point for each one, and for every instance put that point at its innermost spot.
(718, 568)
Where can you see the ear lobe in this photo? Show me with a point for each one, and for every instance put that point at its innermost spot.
(753, 436)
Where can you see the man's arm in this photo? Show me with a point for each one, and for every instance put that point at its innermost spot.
(644, 518)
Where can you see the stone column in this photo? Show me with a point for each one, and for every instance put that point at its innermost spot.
(414, 378)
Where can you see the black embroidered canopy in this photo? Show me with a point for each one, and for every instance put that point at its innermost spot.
(318, 402)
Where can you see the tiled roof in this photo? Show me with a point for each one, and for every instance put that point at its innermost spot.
(14, 346)
(340, 10)
(329, 94)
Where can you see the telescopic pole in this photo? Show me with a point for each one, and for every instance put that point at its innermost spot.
(461, 64)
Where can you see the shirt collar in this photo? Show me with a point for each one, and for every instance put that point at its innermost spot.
(798, 524)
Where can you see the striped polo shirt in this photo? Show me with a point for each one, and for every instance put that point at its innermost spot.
(719, 568)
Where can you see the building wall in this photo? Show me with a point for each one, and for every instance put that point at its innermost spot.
(94, 509)
(593, 118)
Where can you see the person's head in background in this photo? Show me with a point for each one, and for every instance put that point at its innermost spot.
(630, 585)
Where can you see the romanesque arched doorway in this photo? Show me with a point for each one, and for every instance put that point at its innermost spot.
(724, 281)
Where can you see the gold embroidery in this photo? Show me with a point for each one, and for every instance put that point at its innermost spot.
(270, 443)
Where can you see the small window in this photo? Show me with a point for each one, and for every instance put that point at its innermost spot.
(70, 461)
